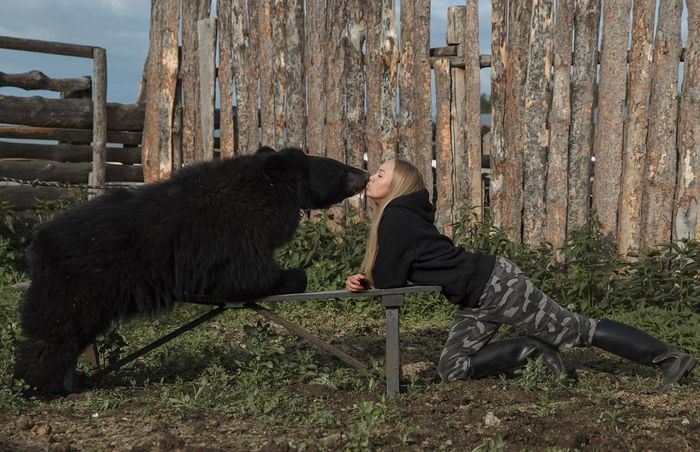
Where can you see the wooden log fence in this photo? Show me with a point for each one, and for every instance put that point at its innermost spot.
(598, 128)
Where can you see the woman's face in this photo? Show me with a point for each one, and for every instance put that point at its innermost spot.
(379, 184)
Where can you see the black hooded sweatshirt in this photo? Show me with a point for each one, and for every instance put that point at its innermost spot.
(410, 248)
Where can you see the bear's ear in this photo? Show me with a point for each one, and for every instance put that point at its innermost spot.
(287, 165)
(265, 150)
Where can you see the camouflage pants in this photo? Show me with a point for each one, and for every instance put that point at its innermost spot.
(510, 298)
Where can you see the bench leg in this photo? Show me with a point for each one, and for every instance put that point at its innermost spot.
(392, 360)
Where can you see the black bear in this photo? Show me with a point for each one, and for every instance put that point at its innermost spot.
(210, 229)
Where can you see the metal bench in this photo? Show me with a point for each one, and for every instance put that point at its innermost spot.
(391, 299)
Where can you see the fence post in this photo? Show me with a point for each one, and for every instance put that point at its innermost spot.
(99, 116)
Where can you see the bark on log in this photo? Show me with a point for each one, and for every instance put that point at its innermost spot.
(295, 115)
(537, 86)
(687, 201)
(244, 44)
(52, 47)
(315, 64)
(335, 80)
(99, 117)
(499, 170)
(161, 81)
(660, 177)
(76, 135)
(206, 55)
(443, 148)
(587, 19)
(560, 115)
(456, 26)
(65, 152)
(265, 67)
(608, 142)
(630, 219)
(72, 173)
(279, 72)
(225, 76)
(469, 170)
(192, 146)
(38, 80)
(67, 113)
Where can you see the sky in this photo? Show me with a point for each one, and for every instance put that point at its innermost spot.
(122, 26)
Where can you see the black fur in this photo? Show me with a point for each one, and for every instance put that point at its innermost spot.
(211, 229)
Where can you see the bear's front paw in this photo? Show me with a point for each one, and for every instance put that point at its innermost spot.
(292, 280)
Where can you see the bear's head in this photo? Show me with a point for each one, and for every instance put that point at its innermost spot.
(321, 181)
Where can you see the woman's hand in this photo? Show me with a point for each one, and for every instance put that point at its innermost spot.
(355, 283)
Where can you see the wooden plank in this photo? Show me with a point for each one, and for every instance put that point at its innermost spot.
(245, 76)
(295, 113)
(265, 68)
(99, 117)
(660, 177)
(79, 135)
(537, 95)
(26, 197)
(161, 80)
(315, 64)
(519, 15)
(444, 154)
(279, 71)
(686, 209)
(225, 76)
(415, 124)
(206, 38)
(67, 113)
(38, 80)
(560, 115)
(608, 141)
(470, 170)
(456, 21)
(586, 18)
(192, 146)
(354, 40)
(630, 219)
(66, 152)
(73, 173)
(52, 47)
(497, 193)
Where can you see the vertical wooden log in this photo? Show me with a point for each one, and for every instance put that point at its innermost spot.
(537, 86)
(608, 142)
(265, 68)
(499, 58)
(687, 200)
(225, 76)
(443, 147)
(634, 162)
(587, 18)
(660, 177)
(295, 116)
(279, 72)
(388, 131)
(244, 45)
(177, 127)
(99, 116)
(161, 79)
(206, 37)
(192, 12)
(514, 145)
(315, 64)
(471, 172)
(335, 89)
(354, 37)
(415, 123)
(559, 117)
(456, 26)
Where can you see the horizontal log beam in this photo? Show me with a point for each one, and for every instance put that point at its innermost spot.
(52, 47)
(67, 113)
(66, 152)
(39, 80)
(72, 173)
(74, 135)
(26, 197)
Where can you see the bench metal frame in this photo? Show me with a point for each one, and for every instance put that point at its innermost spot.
(391, 299)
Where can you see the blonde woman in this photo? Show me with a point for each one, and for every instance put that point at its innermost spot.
(404, 245)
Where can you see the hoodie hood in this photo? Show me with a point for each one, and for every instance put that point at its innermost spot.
(418, 202)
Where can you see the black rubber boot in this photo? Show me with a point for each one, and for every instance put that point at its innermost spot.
(636, 345)
(509, 354)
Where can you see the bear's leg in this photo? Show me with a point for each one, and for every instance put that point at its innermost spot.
(292, 280)
(47, 366)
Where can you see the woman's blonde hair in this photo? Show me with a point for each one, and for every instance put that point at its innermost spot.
(406, 179)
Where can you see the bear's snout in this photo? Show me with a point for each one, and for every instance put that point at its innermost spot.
(357, 179)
